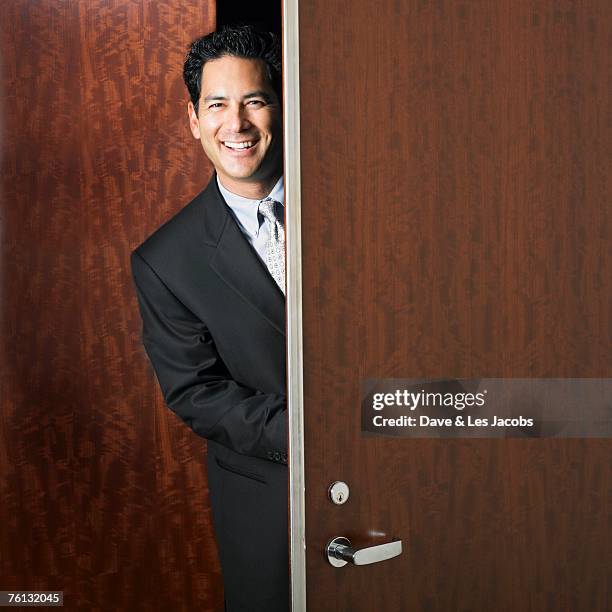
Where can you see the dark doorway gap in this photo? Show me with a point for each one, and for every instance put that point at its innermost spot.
(265, 14)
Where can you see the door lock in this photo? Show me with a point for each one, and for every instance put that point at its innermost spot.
(340, 552)
(338, 492)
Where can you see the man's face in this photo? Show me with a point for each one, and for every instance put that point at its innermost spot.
(239, 122)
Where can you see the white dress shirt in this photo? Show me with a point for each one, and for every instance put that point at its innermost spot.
(249, 220)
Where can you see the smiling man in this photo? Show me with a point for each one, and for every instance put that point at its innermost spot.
(239, 124)
(210, 284)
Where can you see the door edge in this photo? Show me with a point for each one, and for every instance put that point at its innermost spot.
(291, 132)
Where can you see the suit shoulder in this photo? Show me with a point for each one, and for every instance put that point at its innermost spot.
(175, 229)
(199, 221)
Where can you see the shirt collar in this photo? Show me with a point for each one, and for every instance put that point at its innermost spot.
(245, 210)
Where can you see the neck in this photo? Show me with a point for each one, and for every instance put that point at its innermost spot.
(253, 190)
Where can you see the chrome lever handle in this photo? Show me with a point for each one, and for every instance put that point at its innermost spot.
(340, 552)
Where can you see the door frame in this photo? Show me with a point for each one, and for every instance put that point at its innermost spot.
(295, 392)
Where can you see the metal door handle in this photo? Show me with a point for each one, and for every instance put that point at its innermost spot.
(340, 552)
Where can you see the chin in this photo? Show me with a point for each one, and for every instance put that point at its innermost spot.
(242, 173)
(238, 176)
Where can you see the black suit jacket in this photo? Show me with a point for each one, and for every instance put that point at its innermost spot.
(214, 330)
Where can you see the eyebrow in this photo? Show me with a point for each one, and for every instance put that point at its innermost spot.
(260, 93)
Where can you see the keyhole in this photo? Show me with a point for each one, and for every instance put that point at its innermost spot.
(338, 492)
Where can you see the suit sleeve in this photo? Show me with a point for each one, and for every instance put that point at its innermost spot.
(195, 382)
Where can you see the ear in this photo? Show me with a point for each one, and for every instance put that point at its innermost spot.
(194, 123)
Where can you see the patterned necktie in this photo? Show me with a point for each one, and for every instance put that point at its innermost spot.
(271, 211)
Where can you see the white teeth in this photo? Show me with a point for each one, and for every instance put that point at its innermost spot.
(239, 145)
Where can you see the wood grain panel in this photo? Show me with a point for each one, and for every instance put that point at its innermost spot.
(103, 490)
(455, 219)
(40, 343)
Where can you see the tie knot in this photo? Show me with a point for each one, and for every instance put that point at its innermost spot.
(269, 209)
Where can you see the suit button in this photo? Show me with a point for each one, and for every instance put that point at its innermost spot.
(284, 457)
(270, 454)
(277, 456)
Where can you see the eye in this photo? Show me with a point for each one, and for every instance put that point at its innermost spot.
(215, 105)
(255, 102)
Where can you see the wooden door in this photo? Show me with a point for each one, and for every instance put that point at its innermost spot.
(454, 223)
(103, 490)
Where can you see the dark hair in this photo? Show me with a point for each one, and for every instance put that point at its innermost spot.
(243, 41)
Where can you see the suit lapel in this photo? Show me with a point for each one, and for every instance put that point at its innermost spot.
(237, 264)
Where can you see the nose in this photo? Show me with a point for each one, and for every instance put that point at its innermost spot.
(236, 120)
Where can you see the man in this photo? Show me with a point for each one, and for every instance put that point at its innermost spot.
(210, 286)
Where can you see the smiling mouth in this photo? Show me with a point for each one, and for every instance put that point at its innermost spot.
(239, 146)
